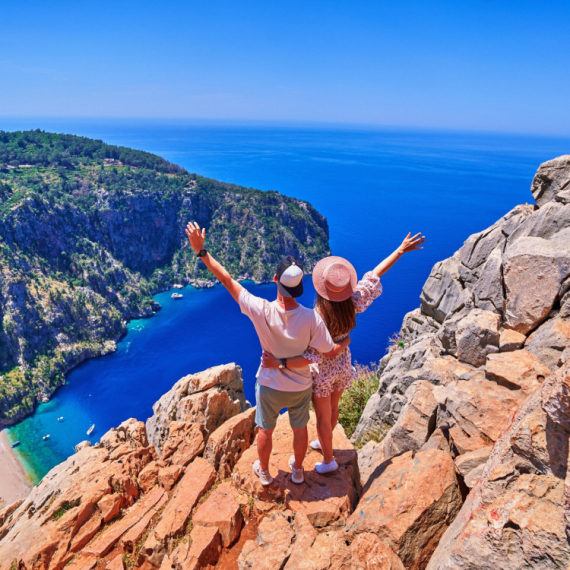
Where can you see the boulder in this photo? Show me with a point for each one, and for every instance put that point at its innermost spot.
(61, 513)
(207, 398)
(222, 511)
(516, 515)
(438, 440)
(510, 340)
(202, 551)
(325, 499)
(416, 422)
(534, 271)
(148, 477)
(488, 289)
(551, 179)
(473, 413)
(168, 476)
(369, 552)
(409, 503)
(110, 505)
(369, 457)
(477, 336)
(273, 544)
(305, 535)
(518, 370)
(549, 342)
(328, 552)
(82, 445)
(468, 461)
(185, 441)
(443, 292)
(226, 445)
(198, 478)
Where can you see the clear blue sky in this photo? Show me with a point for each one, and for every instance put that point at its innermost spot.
(466, 64)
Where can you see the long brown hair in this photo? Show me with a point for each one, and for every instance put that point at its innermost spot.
(339, 316)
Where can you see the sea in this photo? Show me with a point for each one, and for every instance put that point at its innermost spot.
(374, 185)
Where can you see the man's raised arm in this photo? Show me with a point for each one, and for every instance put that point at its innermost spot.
(197, 236)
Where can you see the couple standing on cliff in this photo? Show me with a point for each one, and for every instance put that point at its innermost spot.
(305, 351)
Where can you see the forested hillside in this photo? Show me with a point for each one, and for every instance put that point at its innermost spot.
(88, 231)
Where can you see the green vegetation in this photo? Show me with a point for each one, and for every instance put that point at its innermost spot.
(89, 231)
(65, 506)
(353, 400)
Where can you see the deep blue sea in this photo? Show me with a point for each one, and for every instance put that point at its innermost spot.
(372, 185)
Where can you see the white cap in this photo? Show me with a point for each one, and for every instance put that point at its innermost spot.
(292, 276)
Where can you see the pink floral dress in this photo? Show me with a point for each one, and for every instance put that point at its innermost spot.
(330, 374)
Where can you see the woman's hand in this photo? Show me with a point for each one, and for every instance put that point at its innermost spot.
(411, 243)
(269, 361)
(196, 236)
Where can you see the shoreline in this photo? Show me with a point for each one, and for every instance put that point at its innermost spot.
(14, 482)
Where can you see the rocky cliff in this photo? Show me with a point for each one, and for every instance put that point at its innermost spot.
(89, 231)
(465, 467)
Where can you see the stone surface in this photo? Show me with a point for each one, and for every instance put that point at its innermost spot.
(515, 515)
(328, 552)
(368, 552)
(226, 445)
(148, 477)
(477, 336)
(110, 505)
(416, 421)
(198, 478)
(551, 179)
(185, 441)
(203, 551)
(116, 563)
(549, 342)
(60, 514)
(131, 538)
(409, 504)
(474, 413)
(468, 461)
(510, 340)
(305, 535)
(273, 544)
(325, 499)
(370, 456)
(168, 476)
(518, 370)
(208, 398)
(534, 270)
(222, 511)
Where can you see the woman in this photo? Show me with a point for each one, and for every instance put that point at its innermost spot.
(339, 299)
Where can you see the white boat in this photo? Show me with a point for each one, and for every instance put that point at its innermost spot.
(46, 437)
(60, 419)
(177, 296)
(90, 430)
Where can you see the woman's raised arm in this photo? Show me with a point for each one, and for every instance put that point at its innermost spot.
(410, 243)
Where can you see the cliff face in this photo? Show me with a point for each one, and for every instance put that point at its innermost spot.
(89, 231)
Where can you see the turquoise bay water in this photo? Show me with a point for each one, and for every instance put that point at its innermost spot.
(373, 186)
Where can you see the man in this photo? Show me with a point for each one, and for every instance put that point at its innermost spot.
(285, 329)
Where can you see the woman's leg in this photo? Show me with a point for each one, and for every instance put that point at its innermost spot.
(335, 399)
(323, 410)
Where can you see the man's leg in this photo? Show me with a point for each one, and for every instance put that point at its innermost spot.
(264, 447)
(300, 444)
(265, 417)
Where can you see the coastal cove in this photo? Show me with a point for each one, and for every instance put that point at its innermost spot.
(372, 186)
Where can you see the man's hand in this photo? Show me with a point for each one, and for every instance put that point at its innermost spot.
(411, 243)
(196, 236)
(268, 360)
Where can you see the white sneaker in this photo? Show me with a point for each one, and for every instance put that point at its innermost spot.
(323, 467)
(316, 444)
(264, 476)
(298, 475)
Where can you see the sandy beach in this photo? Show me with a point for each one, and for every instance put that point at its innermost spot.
(14, 484)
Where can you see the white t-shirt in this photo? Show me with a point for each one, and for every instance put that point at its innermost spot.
(285, 334)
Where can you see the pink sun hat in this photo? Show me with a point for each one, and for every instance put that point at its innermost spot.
(334, 278)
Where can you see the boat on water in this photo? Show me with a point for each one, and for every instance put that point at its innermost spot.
(177, 296)
(15, 444)
(90, 430)
(46, 437)
(60, 419)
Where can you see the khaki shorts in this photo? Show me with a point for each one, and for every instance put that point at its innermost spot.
(270, 402)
